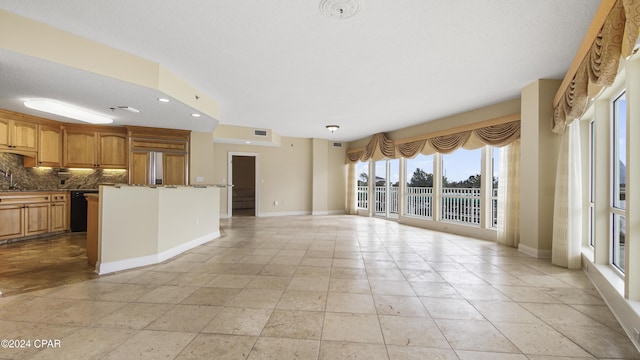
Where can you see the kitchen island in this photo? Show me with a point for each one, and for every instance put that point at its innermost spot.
(145, 225)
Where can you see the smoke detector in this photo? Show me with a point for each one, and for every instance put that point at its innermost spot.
(339, 9)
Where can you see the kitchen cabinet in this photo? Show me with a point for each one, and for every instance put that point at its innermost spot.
(86, 148)
(59, 211)
(139, 168)
(17, 136)
(158, 156)
(24, 214)
(36, 218)
(49, 147)
(175, 166)
(11, 221)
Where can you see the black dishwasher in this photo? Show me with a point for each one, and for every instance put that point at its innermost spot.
(78, 221)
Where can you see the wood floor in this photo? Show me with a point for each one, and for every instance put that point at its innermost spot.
(43, 263)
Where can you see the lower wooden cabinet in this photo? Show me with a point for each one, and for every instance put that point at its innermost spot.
(36, 219)
(11, 221)
(29, 214)
(58, 220)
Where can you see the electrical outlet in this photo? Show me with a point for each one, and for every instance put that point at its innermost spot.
(275, 203)
(197, 220)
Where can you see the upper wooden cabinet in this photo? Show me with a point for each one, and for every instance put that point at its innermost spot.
(87, 148)
(17, 135)
(172, 144)
(112, 150)
(49, 145)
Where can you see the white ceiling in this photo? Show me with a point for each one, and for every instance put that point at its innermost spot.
(285, 66)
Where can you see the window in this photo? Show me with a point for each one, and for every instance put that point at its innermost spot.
(461, 181)
(419, 191)
(618, 181)
(495, 166)
(592, 193)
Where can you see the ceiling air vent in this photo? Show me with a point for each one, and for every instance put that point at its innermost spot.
(260, 132)
(337, 144)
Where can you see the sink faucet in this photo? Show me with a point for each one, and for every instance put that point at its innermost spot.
(9, 174)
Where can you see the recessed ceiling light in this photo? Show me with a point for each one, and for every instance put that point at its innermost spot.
(67, 110)
(195, 115)
(163, 100)
(247, 142)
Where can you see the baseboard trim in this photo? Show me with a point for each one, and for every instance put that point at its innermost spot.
(328, 212)
(536, 253)
(126, 264)
(284, 213)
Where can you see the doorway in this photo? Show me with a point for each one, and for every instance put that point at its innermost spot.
(242, 198)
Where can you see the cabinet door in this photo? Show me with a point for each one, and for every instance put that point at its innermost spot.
(11, 221)
(79, 149)
(49, 146)
(4, 133)
(58, 216)
(139, 168)
(112, 151)
(36, 219)
(24, 135)
(175, 169)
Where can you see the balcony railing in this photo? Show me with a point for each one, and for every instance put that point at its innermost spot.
(363, 197)
(461, 205)
(419, 201)
(494, 208)
(458, 204)
(381, 200)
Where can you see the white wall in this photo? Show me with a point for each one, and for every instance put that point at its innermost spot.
(286, 176)
(140, 226)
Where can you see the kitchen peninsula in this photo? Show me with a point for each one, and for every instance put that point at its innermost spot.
(145, 225)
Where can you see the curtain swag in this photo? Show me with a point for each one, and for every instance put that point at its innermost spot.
(449, 143)
(380, 147)
(411, 149)
(598, 69)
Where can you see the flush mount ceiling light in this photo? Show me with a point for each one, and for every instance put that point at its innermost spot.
(332, 128)
(339, 9)
(195, 115)
(129, 109)
(163, 100)
(67, 110)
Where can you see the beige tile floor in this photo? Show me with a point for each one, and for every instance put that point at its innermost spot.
(335, 287)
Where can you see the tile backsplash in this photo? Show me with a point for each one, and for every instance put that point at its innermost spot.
(48, 179)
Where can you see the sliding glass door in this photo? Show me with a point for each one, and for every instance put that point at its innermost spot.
(386, 188)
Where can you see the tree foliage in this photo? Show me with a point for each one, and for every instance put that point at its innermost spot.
(421, 179)
(364, 179)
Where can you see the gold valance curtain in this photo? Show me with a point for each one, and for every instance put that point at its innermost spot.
(380, 147)
(598, 69)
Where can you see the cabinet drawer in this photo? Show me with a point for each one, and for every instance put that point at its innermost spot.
(25, 199)
(58, 197)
